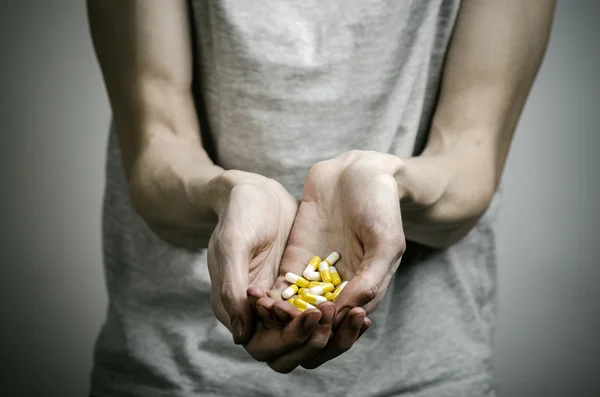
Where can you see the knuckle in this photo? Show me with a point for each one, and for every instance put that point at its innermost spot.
(368, 292)
(318, 343)
(293, 339)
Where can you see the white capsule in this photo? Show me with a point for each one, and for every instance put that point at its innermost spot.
(302, 305)
(335, 276)
(310, 272)
(314, 299)
(322, 289)
(339, 289)
(289, 291)
(332, 258)
(295, 279)
(324, 272)
(311, 275)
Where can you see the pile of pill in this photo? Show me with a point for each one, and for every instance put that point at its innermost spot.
(320, 282)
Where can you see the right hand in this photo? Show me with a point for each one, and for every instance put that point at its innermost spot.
(244, 255)
(255, 216)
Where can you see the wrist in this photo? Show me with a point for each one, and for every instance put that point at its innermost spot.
(380, 163)
(217, 191)
(167, 183)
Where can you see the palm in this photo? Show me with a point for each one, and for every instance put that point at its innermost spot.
(278, 216)
(252, 231)
(352, 210)
(316, 234)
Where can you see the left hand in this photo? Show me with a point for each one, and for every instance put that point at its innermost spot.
(351, 205)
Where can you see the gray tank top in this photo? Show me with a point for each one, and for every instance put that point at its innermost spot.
(284, 84)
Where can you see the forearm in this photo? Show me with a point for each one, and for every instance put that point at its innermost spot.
(493, 58)
(441, 198)
(144, 51)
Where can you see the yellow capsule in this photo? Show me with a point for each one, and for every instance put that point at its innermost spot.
(322, 289)
(302, 291)
(311, 273)
(314, 299)
(314, 262)
(302, 305)
(335, 276)
(329, 296)
(314, 284)
(295, 279)
(325, 274)
(339, 289)
(289, 291)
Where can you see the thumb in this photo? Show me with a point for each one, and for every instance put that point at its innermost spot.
(228, 264)
(373, 277)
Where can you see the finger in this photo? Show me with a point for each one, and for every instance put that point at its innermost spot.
(264, 307)
(370, 282)
(228, 265)
(271, 343)
(365, 326)
(285, 311)
(257, 292)
(342, 340)
(286, 363)
(254, 293)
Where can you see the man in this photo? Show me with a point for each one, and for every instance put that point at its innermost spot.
(391, 121)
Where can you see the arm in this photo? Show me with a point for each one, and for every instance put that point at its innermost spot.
(144, 52)
(493, 58)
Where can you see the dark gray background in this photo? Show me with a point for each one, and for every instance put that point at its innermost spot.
(54, 118)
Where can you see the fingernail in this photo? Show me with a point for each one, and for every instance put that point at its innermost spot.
(238, 329)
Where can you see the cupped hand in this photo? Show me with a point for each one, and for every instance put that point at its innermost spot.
(255, 216)
(351, 205)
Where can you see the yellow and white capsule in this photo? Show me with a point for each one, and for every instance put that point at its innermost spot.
(329, 296)
(289, 291)
(314, 299)
(311, 273)
(295, 279)
(302, 305)
(324, 270)
(335, 276)
(339, 289)
(332, 258)
(322, 289)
